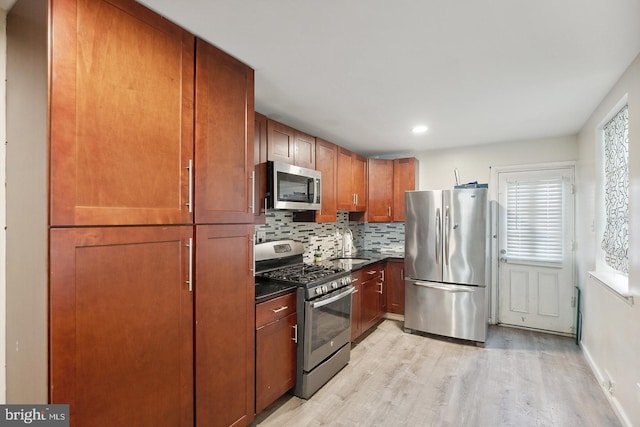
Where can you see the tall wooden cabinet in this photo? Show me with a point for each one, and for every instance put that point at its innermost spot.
(157, 319)
(395, 286)
(224, 140)
(121, 115)
(224, 313)
(405, 178)
(121, 326)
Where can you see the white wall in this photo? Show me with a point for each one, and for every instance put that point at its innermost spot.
(611, 324)
(473, 163)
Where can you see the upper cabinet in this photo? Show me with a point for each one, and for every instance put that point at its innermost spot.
(121, 111)
(352, 179)
(260, 167)
(380, 203)
(224, 138)
(285, 144)
(405, 178)
(327, 164)
(388, 181)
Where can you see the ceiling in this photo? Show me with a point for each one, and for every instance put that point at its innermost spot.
(362, 73)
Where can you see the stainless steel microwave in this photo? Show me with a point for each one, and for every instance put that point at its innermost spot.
(292, 187)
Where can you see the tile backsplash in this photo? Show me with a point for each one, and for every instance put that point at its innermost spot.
(378, 237)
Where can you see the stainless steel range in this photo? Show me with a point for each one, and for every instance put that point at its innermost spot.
(323, 310)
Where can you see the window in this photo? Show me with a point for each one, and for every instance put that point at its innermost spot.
(615, 241)
(534, 221)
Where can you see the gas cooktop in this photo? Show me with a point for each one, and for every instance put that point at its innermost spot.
(304, 274)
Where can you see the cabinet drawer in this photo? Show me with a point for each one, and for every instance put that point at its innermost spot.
(277, 308)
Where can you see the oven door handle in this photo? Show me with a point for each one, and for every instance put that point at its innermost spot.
(333, 299)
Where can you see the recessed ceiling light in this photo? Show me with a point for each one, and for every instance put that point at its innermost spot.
(419, 129)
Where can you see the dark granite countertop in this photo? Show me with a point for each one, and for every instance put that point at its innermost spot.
(266, 290)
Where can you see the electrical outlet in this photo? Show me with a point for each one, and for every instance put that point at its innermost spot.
(262, 236)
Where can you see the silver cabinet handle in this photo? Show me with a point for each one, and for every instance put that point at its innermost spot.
(190, 278)
(354, 280)
(389, 210)
(278, 310)
(190, 201)
(295, 333)
(252, 206)
(380, 290)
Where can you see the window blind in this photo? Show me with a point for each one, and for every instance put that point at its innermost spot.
(534, 221)
(615, 241)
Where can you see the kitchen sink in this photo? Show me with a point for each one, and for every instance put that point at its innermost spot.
(349, 260)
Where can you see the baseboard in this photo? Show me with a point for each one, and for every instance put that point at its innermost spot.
(617, 408)
(394, 316)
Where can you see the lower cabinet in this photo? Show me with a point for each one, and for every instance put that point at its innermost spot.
(356, 309)
(224, 294)
(369, 285)
(276, 334)
(395, 286)
(121, 325)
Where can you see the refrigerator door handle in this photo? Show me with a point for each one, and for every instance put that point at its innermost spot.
(438, 236)
(444, 287)
(446, 235)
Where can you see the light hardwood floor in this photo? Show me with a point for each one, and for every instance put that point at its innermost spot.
(520, 378)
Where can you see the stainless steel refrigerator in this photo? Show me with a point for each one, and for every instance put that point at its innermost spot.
(446, 262)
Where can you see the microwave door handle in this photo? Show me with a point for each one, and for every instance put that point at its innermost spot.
(332, 299)
(317, 190)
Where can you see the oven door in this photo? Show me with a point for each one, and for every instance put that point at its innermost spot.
(327, 326)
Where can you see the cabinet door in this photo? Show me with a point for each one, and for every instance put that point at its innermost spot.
(121, 114)
(121, 319)
(370, 302)
(327, 164)
(356, 311)
(224, 138)
(280, 142)
(275, 360)
(359, 180)
(380, 194)
(305, 150)
(404, 179)
(395, 286)
(260, 167)
(225, 325)
(345, 198)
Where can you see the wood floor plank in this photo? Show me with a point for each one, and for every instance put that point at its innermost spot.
(520, 378)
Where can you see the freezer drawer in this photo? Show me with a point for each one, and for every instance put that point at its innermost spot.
(456, 311)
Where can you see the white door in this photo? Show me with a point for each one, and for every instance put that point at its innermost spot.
(535, 249)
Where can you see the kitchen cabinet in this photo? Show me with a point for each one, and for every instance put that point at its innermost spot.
(276, 335)
(224, 165)
(327, 164)
(260, 167)
(352, 181)
(121, 325)
(404, 179)
(224, 293)
(356, 308)
(369, 286)
(395, 286)
(388, 181)
(121, 115)
(380, 195)
(288, 145)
